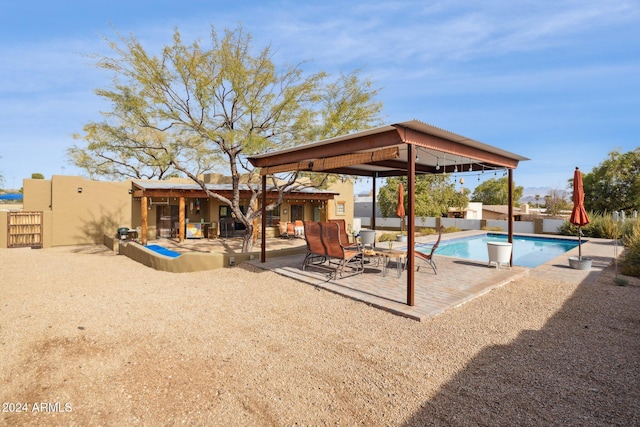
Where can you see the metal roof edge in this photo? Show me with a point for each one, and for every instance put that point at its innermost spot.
(429, 129)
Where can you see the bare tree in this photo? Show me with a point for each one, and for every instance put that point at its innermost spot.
(196, 109)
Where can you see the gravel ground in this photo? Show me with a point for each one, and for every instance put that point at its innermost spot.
(92, 338)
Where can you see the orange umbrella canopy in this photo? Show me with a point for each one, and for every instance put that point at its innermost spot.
(400, 210)
(579, 215)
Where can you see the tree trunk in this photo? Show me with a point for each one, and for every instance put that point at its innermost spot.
(247, 239)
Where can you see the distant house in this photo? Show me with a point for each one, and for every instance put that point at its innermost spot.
(472, 211)
(501, 212)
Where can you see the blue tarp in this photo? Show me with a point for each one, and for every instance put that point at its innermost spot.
(10, 196)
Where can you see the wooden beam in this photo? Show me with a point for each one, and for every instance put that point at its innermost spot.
(144, 218)
(181, 220)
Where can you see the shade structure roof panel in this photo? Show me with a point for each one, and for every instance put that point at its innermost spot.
(437, 151)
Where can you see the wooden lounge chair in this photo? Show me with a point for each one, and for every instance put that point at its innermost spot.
(428, 258)
(345, 257)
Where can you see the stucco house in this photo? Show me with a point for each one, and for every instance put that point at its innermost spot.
(73, 210)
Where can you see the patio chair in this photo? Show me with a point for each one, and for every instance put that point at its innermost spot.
(428, 258)
(347, 258)
(212, 231)
(316, 253)
(344, 237)
(284, 234)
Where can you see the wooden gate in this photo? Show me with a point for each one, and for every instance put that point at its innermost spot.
(24, 229)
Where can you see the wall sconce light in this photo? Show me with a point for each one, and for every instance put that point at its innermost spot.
(130, 191)
(79, 189)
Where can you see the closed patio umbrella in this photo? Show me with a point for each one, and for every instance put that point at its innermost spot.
(400, 211)
(579, 215)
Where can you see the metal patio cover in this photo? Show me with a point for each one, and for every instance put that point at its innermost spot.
(438, 151)
(401, 149)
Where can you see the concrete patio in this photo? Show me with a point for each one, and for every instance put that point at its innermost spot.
(457, 281)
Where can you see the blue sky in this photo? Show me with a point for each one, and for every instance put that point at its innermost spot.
(555, 81)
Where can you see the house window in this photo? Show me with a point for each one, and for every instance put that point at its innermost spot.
(341, 208)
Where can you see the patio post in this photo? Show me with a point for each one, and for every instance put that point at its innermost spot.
(144, 218)
(510, 207)
(263, 220)
(181, 219)
(411, 212)
(373, 204)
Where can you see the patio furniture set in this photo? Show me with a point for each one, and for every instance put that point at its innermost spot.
(329, 249)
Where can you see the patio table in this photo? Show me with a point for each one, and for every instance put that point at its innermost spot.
(387, 254)
(384, 256)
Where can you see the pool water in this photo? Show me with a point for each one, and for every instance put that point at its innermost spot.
(527, 251)
(163, 251)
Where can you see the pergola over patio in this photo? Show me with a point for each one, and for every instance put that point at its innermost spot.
(402, 149)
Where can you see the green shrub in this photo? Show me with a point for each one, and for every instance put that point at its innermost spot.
(485, 228)
(601, 226)
(630, 262)
(426, 231)
(386, 237)
(451, 229)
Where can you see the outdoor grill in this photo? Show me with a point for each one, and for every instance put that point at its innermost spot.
(122, 233)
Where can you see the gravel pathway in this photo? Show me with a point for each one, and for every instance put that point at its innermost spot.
(91, 338)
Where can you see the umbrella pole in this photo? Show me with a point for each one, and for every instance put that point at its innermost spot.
(580, 243)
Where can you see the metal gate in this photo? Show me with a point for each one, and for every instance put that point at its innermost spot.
(24, 229)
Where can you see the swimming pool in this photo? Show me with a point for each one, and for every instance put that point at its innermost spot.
(527, 251)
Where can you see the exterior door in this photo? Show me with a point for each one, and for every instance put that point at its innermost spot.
(163, 221)
(166, 220)
(297, 213)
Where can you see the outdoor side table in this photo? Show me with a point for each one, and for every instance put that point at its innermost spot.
(387, 254)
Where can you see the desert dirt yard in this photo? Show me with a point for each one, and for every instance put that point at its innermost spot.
(90, 338)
